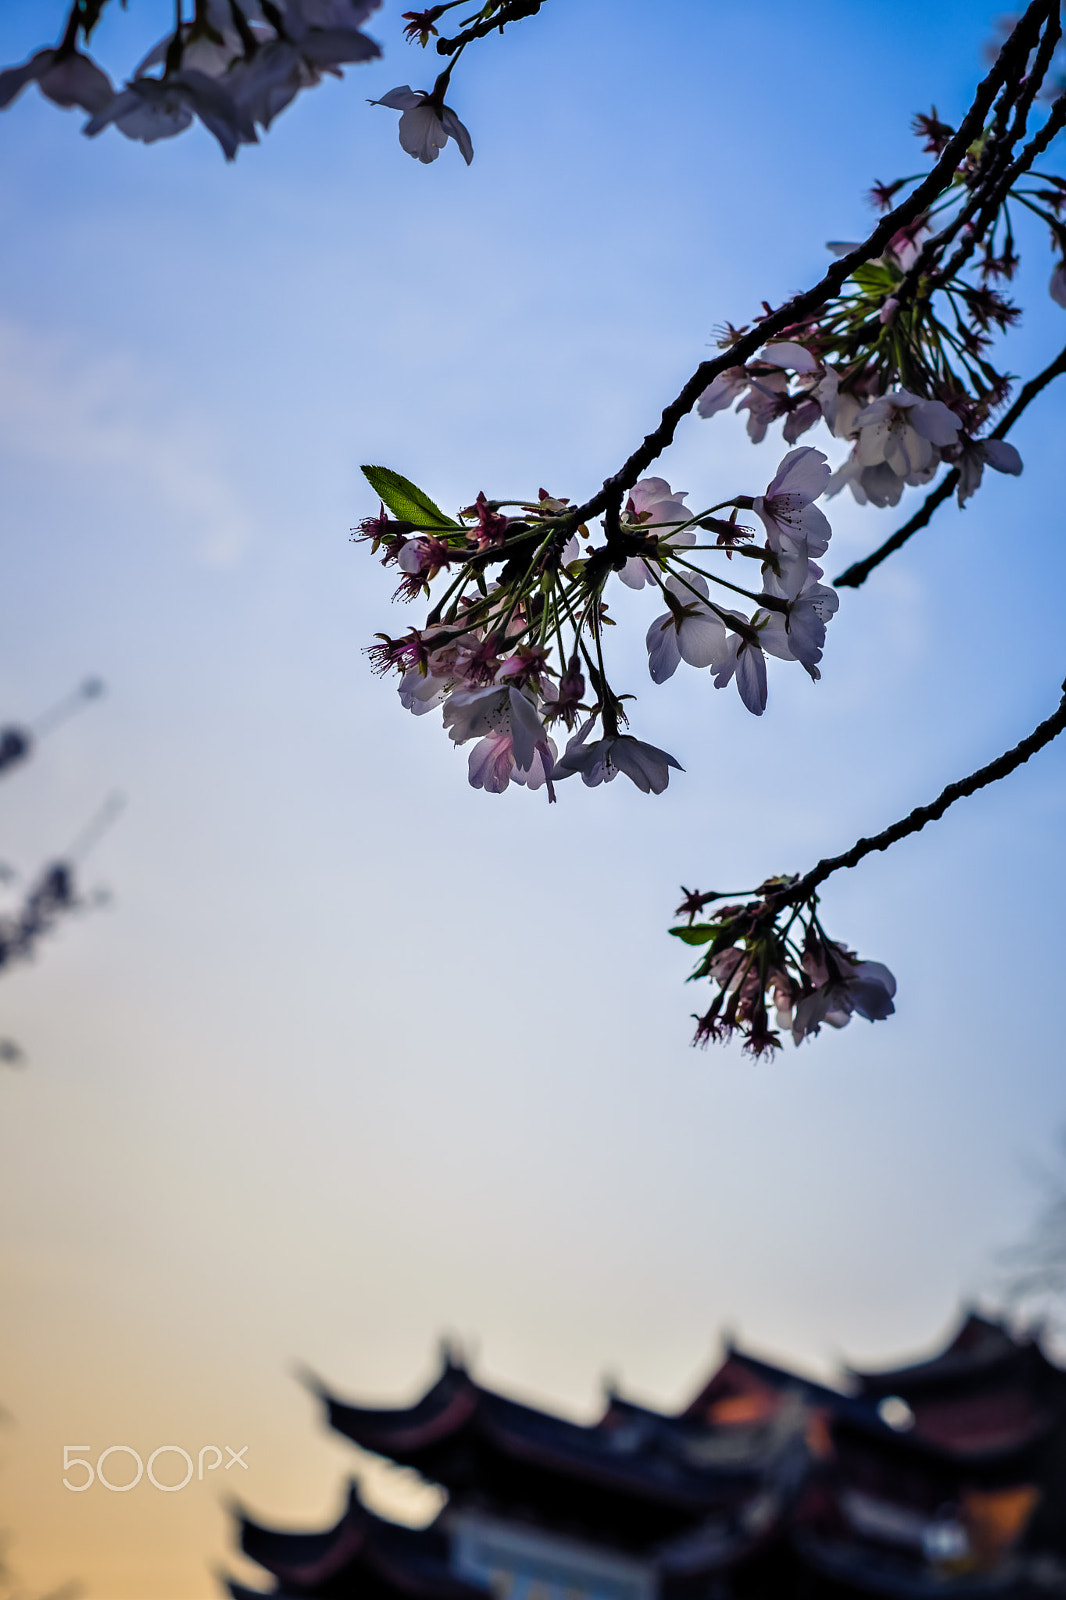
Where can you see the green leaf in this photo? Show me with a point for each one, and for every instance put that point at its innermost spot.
(876, 278)
(405, 500)
(701, 934)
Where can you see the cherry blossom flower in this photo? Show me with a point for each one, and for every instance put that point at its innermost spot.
(767, 399)
(799, 633)
(1057, 285)
(722, 391)
(492, 765)
(421, 560)
(844, 986)
(744, 661)
(419, 24)
(149, 109)
(602, 761)
(652, 505)
(491, 524)
(497, 713)
(794, 524)
(981, 453)
(66, 77)
(311, 37)
(905, 246)
(903, 431)
(839, 409)
(425, 126)
(272, 78)
(345, 16)
(786, 353)
(422, 691)
(692, 633)
(210, 49)
(900, 439)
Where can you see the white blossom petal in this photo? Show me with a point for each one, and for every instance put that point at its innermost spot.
(789, 354)
(1002, 457)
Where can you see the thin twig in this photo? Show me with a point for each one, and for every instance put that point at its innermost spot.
(510, 11)
(917, 819)
(859, 571)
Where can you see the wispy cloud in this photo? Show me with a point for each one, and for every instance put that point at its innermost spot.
(111, 419)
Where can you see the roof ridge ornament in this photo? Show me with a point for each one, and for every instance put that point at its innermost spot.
(451, 1352)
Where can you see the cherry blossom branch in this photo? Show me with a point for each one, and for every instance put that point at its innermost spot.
(859, 571)
(803, 888)
(987, 201)
(1015, 51)
(509, 11)
(771, 950)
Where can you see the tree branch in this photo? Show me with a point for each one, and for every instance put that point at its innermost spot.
(510, 11)
(1002, 767)
(859, 571)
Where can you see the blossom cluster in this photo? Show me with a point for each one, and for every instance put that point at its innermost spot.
(771, 953)
(513, 648)
(898, 363)
(233, 67)
(898, 438)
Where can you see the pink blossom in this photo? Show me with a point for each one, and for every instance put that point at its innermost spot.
(501, 716)
(653, 505)
(865, 987)
(67, 78)
(743, 659)
(149, 109)
(794, 524)
(799, 633)
(722, 391)
(426, 127)
(981, 453)
(904, 431)
(692, 633)
(602, 761)
(787, 353)
(492, 765)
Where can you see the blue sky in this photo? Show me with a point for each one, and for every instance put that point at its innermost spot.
(359, 1055)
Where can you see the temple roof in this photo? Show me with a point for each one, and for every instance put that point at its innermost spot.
(979, 1348)
(745, 1385)
(765, 1480)
(637, 1474)
(361, 1554)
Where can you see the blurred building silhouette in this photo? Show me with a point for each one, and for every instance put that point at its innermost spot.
(938, 1479)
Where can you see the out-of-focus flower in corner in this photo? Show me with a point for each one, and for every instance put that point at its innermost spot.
(149, 109)
(425, 125)
(66, 77)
